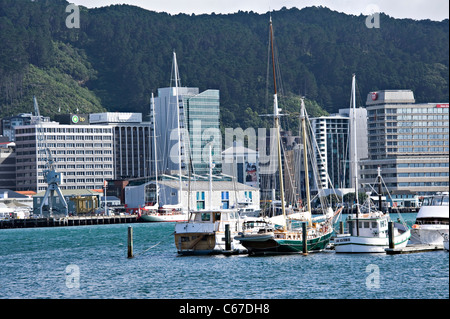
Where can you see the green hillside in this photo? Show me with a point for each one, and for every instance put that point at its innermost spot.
(121, 54)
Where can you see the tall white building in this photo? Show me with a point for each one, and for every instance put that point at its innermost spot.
(334, 136)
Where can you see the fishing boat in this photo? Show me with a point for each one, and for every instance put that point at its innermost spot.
(368, 231)
(432, 220)
(298, 233)
(209, 232)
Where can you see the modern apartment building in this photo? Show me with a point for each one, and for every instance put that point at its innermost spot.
(334, 136)
(83, 154)
(409, 141)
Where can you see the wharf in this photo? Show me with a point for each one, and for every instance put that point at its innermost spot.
(68, 221)
(409, 249)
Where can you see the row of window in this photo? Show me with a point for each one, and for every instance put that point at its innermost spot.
(78, 137)
(410, 110)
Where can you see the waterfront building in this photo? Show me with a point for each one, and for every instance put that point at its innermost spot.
(188, 127)
(83, 154)
(220, 194)
(79, 202)
(409, 141)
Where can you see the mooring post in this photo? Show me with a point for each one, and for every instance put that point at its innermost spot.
(305, 239)
(227, 237)
(341, 227)
(130, 242)
(391, 235)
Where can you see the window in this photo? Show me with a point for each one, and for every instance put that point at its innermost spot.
(200, 200)
(225, 200)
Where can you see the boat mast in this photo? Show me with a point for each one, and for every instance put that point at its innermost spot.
(210, 177)
(154, 149)
(277, 126)
(305, 158)
(175, 70)
(355, 153)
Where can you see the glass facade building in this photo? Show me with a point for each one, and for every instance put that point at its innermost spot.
(190, 129)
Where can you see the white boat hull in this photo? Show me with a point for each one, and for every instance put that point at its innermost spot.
(154, 218)
(359, 244)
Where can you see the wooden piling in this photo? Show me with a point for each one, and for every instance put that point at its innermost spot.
(130, 242)
(305, 239)
(341, 227)
(227, 237)
(391, 235)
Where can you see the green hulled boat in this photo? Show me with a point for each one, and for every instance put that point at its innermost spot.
(265, 236)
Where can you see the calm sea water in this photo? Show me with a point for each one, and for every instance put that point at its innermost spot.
(91, 262)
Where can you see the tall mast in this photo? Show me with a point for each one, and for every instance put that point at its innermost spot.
(305, 158)
(355, 151)
(154, 148)
(175, 70)
(276, 111)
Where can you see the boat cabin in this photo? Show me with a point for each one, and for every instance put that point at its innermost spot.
(220, 218)
(368, 226)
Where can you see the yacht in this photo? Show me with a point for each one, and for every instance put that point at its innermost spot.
(431, 224)
(368, 231)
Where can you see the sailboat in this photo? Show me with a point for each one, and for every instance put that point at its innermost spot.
(268, 237)
(368, 232)
(166, 213)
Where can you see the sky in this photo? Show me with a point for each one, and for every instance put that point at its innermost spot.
(415, 9)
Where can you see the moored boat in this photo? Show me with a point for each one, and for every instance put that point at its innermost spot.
(283, 234)
(432, 220)
(209, 232)
(368, 232)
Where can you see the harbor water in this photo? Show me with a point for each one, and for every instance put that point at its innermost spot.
(90, 262)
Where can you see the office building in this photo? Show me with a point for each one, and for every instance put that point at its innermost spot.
(188, 127)
(132, 142)
(83, 154)
(408, 141)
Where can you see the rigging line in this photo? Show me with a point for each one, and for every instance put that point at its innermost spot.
(142, 252)
(313, 138)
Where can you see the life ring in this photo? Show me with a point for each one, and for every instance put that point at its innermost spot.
(415, 226)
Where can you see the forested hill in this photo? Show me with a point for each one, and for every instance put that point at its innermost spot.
(123, 53)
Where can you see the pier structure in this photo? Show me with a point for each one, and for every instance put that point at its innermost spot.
(68, 221)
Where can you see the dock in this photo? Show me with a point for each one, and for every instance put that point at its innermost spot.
(68, 221)
(409, 249)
